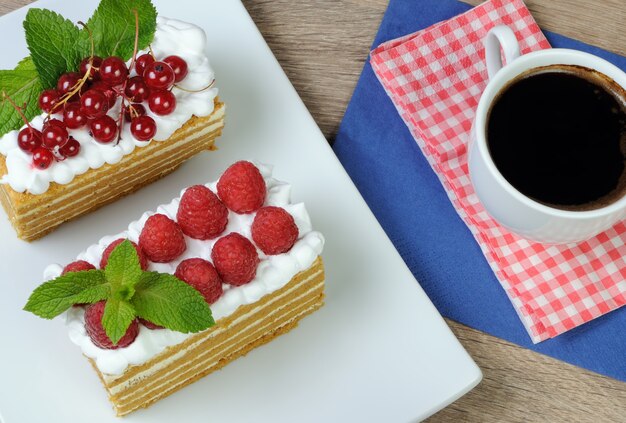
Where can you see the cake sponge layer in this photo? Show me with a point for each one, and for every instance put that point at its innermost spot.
(33, 216)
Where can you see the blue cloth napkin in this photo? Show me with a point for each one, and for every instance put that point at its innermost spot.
(395, 179)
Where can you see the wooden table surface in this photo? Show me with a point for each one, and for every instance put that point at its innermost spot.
(322, 45)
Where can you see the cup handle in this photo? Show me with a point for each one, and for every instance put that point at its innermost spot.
(500, 38)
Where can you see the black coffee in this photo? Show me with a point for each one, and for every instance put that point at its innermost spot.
(558, 135)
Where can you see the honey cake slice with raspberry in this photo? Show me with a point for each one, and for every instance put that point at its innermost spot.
(91, 131)
(238, 263)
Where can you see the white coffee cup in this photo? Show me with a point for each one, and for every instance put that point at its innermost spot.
(507, 205)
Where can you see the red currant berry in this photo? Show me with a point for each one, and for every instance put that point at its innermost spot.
(141, 63)
(70, 149)
(29, 139)
(93, 68)
(67, 82)
(48, 99)
(178, 65)
(159, 75)
(104, 129)
(94, 103)
(143, 128)
(162, 102)
(55, 122)
(73, 117)
(113, 71)
(136, 89)
(108, 92)
(134, 110)
(42, 158)
(54, 135)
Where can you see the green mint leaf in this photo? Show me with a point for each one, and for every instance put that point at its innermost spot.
(26, 64)
(113, 28)
(23, 86)
(54, 297)
(164, 300)
(118, 315)
(123, 270)
(52, 42)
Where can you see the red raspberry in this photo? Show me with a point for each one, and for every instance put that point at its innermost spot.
(274, 230)
(143, 261)
(95, 330)
(161, 239)
(235, 259)
(149, 324)
(201, 215)
(242, 188)
(77, 266)
(201, 274)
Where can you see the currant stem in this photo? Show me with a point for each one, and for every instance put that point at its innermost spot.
(121, 93)
(5, 96)
(120, 124)
(93, 48)
(133, 111)
(120, 120)
(132, 63)
(196, 91)
(65, 97)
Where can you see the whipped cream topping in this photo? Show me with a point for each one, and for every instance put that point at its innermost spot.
(171, 37)
(273, 272)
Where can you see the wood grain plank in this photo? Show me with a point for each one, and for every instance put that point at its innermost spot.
(7, 6)
(322, 45)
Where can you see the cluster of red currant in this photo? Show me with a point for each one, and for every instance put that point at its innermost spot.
(85, 97)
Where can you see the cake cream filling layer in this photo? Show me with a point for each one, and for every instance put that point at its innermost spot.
(273, 272)
(158, 367)
(171, 37)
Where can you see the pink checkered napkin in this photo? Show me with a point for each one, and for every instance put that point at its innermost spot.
(435, 78)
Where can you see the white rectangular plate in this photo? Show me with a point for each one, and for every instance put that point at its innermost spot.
(377, 351)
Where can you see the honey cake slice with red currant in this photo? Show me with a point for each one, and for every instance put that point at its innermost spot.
(86, 123)
(189, 287)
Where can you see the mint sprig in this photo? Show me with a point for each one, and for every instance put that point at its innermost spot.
(129, 293)
(57, 46)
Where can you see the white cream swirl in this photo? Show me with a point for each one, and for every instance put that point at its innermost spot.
(172, 37)
(273, 272)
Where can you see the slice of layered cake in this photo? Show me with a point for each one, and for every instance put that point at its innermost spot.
(90, 131)
(188, 288)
